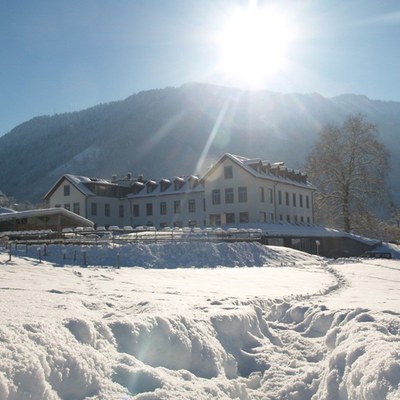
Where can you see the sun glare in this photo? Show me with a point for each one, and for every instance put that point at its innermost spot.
(254, 44)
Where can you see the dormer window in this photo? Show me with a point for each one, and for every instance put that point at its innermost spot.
(178, 183)
(137, 187)
(164, 184)
(193, 181)
(151, 185)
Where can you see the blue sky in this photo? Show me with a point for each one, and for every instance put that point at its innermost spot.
(64, 55)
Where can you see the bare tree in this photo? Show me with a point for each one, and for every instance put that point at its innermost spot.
(348, 165)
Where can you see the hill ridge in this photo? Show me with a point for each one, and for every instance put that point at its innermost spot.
(164, 132)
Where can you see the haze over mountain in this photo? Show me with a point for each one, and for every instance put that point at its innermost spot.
(174, 131)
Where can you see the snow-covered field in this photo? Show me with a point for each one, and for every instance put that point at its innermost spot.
(197, 321)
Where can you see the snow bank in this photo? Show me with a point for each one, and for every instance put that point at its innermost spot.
(291, 351)
(89, 333)
(171, 255)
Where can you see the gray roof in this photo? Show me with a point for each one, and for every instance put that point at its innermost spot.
(43, 212)
(4, 210)
(159, 186)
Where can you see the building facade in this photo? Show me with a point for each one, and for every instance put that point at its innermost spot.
(240, 190)
(235, 190)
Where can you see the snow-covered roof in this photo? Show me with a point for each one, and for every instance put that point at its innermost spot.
(165, 185)
(4, 210)
(170, 185)
(76, 180)
(46, 212)
(305, 230)
(264, 169)
(82, 183)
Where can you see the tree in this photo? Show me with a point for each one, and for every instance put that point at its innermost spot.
(348, 165)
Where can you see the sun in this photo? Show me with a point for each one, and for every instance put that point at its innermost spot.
(254, 44)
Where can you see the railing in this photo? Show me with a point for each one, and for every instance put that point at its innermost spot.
(94, 237)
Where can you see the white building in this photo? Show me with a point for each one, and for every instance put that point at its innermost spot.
(235, 190)
(240, 190)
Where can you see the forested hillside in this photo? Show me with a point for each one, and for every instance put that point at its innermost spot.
(167, 131)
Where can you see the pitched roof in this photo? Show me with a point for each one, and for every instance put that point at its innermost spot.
(165, 186)
(45, 212)
(4, 210)
(266, 173)
(74, 180)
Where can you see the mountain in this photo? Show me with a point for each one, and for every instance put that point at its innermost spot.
(172, 131)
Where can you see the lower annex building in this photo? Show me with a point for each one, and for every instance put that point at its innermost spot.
(235, 190)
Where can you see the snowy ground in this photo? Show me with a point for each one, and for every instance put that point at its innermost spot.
(207, 321)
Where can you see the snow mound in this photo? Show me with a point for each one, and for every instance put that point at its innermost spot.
(291, 351)
(173, 255)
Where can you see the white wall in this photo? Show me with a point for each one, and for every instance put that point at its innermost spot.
(58, 199)
(184, 218)
(268, 210)
(101, 219)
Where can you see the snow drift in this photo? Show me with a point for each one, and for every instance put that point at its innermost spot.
(103, 333)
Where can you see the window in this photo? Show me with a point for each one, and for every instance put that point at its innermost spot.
(307, 202)
(121, 211)
(177, 206)
(263, 216)
(229, 196)
(163, 208)
(242, 194)
(93, 208)
(271, 217)
(67, 190)
(149, 209)
(262, 195)
(57, 205)
(216, 196)
(215, 219)
(228, 173)
(301, 200)
(230, 218)
(288, 218)
(308, 220)
(192, 205)
(294, 199)
(67, 206)
(77, 208)
(136, 210)
(280, 217)
(107, 210)
(279, 196)
(243, 217)
(271, 196)
(287, 198)
(295, 219)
